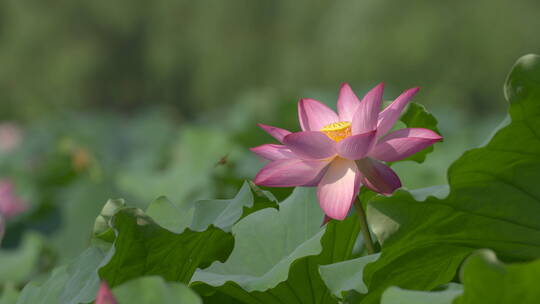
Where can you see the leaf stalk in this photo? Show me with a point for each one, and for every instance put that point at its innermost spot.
(368, 241)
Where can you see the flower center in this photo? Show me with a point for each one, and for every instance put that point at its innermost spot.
(337, 130)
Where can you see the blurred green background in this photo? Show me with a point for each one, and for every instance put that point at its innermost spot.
(136, 99)
(198, 57)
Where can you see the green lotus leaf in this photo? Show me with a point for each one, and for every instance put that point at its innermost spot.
(102, 227)
(396, 295)
(132, 243)
(74, 283)
(347, 275)
(83, 281)
(277, 253)
(493, 202)
(222, 213)
(487, 280)
(47, 292)
(150, 289)
(173, 240)
(143, 247)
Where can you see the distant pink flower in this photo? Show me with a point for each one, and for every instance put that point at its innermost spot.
(105, 295)
(339, 152)
(10, 136)
(10, 204)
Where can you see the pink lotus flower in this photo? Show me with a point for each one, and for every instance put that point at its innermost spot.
(340, 152)
(10, 204)
(105, 295)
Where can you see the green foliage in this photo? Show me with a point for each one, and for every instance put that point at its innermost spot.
(9, 295)
(142, 247)
(47, 292)
(198, 56)
(83, 280)
(396, 295)
(493, 203)
(254, 248)
(347, 275)
(75, 283)
(170, 240)
(145, 290)
(222, 213)
(277, 252)
(487, 280)
(17, 265)
(196, 155)
(136, 245)
(80, 198)
(102, 224)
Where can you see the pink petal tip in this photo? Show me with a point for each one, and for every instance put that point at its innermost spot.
(105, 295)
(275, 132)
(314, 115)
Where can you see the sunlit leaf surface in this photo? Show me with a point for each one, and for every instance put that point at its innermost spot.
(277, 251)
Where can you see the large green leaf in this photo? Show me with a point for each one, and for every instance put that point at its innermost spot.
(83, 282)
(172, 240)
(79, 283)
(494, 202)
(396, 295)
(146, 290)
(277, 253)
(487, 280)
(47, 292)
(74, 283)
(142, 247)
(348, 276)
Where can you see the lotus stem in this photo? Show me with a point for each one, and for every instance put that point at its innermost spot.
(368, 241)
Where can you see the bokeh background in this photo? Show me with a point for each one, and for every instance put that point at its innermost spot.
(136, 99)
